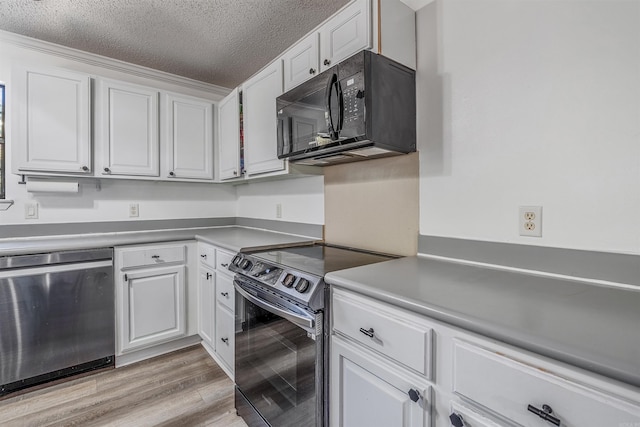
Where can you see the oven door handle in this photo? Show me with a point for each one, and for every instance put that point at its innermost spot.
(306, 323)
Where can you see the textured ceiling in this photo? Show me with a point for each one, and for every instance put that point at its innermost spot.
(216, 41)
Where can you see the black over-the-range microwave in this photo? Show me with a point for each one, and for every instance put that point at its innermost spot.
(362, 108)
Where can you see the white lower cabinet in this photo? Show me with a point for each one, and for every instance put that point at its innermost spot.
(467, 381)
(216, 305)
(151, 295)
(225, 334)
(367, 391)
(533, 395)
(206, 304)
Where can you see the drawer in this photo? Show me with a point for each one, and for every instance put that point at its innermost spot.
(166, 254)
(394, 333)
(149, 255)
(207, 255)
(223, 260)
(469, 418)
(513, 389)
(225, 336)
(225, 292)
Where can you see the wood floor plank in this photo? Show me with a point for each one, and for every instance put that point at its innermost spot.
(185, 388)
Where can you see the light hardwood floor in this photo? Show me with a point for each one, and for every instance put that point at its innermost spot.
(183, 388)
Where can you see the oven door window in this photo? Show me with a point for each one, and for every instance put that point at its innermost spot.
(275, 366)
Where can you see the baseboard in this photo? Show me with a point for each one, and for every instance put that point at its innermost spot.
(147, 353)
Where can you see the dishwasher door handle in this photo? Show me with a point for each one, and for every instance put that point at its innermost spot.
(53, 268)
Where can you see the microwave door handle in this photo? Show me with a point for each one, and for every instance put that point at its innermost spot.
(341, 106)
(306, 323)
(331, 130)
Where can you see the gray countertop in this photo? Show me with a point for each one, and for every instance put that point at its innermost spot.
(234, 238)
(590, 326)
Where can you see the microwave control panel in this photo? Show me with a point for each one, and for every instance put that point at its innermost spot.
(353, 98)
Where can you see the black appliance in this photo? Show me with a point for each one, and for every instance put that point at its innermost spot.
(362, 108)
(282, 332)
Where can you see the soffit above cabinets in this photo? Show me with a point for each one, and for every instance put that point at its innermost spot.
(222, 42)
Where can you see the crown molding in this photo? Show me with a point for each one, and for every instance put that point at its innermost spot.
(109, 63)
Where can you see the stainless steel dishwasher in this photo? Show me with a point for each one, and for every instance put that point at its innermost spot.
(56, 316)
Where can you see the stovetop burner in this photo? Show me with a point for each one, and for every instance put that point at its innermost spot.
(297, 272)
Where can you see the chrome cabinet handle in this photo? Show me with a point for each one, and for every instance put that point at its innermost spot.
(368, 332)
(544, 413)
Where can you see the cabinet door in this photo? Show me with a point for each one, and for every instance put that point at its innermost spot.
(153, 307)
(301, 62)
(229, 136)
(260, 124)
(206, 305)
(189, 133)
(129, 129)
(52, 121)
(366, 391)
(225, 335)
(346, 33)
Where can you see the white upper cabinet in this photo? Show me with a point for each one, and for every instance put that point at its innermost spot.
(189, 132)
(302, 61)
(348, 32)
(229, 136)
(128, 120)
(52, 123)
(259, 95)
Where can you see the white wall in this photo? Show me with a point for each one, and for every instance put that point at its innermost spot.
(302, 200)
(526, 102)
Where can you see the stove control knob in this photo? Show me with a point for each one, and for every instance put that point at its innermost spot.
(302, 286)
(246, 264)
(288, 280)
(236, 260)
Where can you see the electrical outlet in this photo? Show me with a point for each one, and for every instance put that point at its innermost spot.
(278, 210)
(530, 221)
(31, 210)
(134, 210)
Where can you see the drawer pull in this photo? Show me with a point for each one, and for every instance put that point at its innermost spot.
(156, 257)
(544, 413)
(203, 256)
(209, 276)
(225, 265)
(368, 332)
(225, 340)
(225, 294)
(456, 420)
(414, 395)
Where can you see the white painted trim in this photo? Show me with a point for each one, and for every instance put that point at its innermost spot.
(108, 63)
(416, 4)
(5, 204)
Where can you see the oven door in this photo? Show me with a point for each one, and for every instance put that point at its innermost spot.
(278, 358)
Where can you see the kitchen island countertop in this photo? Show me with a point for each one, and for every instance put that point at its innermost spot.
(590, 326)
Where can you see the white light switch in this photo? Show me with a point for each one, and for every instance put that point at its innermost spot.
(31, 210)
